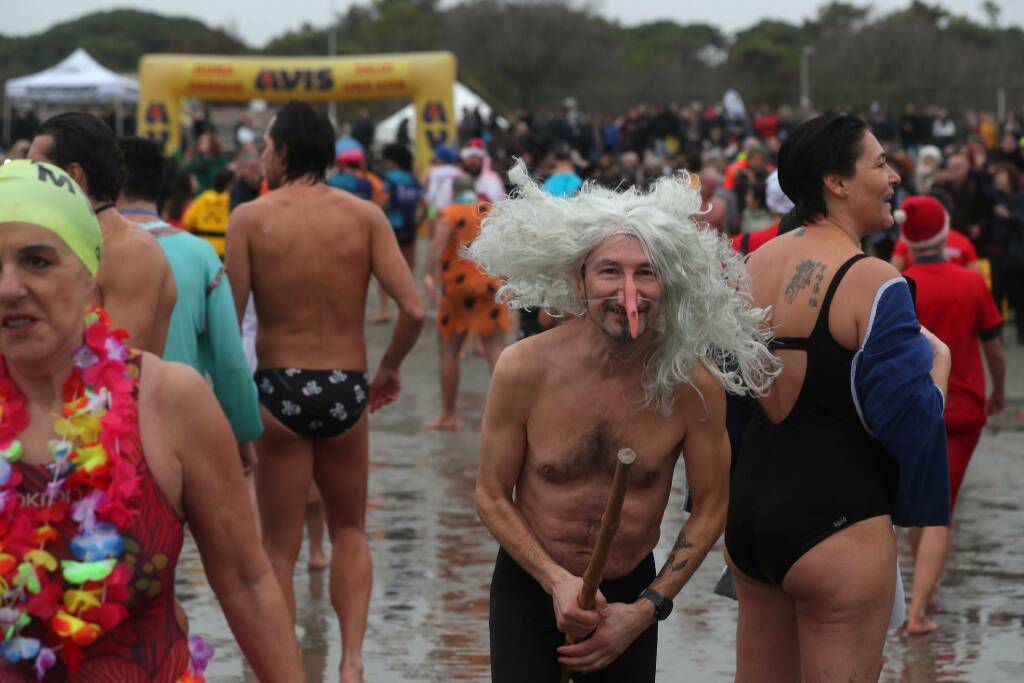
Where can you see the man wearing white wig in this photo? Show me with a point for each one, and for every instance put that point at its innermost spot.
(662, 327)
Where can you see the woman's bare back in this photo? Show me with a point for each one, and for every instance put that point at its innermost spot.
(792, 274)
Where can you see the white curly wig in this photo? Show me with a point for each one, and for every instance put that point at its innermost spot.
(536, 244)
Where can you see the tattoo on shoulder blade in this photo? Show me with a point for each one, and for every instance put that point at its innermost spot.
(807, 272)
(799, 232)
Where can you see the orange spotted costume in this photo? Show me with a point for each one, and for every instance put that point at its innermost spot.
(467, 295)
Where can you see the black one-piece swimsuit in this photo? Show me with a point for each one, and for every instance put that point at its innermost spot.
(818, 471)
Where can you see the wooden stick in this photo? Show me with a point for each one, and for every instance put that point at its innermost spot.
(609, 525)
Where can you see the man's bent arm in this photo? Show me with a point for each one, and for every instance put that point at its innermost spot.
(706, 454)
(502, 453)
(236, 259)
(996, 361)
(442, 231)
(390, 268)
(225, 362)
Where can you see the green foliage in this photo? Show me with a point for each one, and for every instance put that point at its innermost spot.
(306, 41)
(648, 45)
(969, 32)
(920, 12)
(380, 27)
(117, 39)
(768, 46)
(780, 33)
(840, 14)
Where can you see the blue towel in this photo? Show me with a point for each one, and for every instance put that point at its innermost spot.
(900, 405)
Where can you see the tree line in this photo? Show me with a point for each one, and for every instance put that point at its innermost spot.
(534, 53)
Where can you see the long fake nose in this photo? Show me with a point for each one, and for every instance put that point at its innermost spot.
(631, 305)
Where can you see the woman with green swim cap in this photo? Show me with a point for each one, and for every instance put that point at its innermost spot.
(105, 453)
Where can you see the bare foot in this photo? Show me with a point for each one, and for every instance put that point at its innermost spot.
(918, 625)
(318, 561)
(380, 318)
(444, 423)
(351, 673)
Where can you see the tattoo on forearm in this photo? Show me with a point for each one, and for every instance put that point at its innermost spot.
(672, 564)
(681, 542)
(808, 273)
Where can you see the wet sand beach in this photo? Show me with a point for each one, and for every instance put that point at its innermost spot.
(433, 559)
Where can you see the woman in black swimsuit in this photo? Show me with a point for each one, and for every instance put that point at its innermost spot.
(815, 491)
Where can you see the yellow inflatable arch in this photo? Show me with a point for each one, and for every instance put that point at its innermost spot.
(428, 78)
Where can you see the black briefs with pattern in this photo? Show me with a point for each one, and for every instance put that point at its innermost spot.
(317, 404)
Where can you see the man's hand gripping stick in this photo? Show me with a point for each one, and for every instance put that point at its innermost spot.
(609, 525)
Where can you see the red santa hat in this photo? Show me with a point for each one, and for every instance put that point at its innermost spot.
(923, 221)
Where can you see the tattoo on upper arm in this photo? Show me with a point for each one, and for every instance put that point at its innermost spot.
(808, 273)
(674, 564)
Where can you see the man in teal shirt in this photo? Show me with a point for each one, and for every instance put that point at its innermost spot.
(204, 330)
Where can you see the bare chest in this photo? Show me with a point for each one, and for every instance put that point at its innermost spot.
(575, 448)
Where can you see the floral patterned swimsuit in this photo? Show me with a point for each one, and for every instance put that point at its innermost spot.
(316, 404)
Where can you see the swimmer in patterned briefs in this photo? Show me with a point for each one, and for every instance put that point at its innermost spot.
(313, 403)
(285, 248)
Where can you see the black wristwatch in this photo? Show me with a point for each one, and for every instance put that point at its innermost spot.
(662, 605)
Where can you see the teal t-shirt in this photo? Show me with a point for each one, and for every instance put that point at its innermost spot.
(203, 332)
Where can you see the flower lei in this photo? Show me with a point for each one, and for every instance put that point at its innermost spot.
(96, 452)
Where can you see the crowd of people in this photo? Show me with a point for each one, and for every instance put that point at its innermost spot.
(640, 325)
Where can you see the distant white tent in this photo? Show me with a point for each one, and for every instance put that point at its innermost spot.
(387, 130)
(79, 78)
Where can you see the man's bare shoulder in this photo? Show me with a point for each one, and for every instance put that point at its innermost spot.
(526, 363)
(363, 210)
(322, 196)
(519, 362)
(702, 397)
(129, 243)
(250, 209)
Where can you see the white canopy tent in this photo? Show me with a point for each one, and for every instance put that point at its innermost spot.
(79, 78)
(387, 130)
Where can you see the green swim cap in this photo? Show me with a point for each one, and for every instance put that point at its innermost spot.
(42, 194)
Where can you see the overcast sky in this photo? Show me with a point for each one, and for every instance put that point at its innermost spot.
(255, 21)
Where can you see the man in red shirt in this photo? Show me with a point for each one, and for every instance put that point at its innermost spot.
(954, 303)
(958, 250)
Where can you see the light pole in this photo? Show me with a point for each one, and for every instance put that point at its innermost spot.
(805, 76)
(332, 48)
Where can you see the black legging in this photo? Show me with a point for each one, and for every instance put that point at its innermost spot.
(1008, 282)
(524, 636)
(1013, 285)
